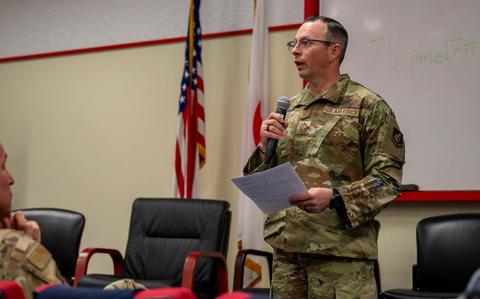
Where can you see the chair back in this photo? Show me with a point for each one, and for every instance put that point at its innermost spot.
(448, 250)
(164, 230)
(61, 235)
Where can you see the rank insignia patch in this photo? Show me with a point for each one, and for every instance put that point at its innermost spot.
(397, 137)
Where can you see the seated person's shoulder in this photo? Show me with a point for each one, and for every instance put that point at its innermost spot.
(21, 256)
(10, 239)
(15, 248)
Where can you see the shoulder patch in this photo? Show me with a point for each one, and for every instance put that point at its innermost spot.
(341, 111)
(39, 256)
(397, 137)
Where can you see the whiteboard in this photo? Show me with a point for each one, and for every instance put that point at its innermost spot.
(423, 58)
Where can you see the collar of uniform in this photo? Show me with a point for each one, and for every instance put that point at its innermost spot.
(333, 94)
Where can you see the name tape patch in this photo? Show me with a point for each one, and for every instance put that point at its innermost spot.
(341, 111)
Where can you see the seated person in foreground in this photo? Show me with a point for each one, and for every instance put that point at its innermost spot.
(22, 257)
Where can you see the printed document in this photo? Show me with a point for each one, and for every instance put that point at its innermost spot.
(270, 189)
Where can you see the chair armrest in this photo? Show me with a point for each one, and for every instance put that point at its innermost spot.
(240, 265)
(188, 275)
(169, 292)
(87, 253)
(11, 289)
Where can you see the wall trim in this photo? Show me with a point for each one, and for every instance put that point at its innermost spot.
(141, 44)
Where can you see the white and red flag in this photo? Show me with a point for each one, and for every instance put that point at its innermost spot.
(250, 225)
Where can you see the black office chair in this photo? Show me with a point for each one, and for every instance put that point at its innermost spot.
(61, 234)
(166, 239)
(448, 253)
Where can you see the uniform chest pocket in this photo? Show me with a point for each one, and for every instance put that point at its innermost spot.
(321, 135)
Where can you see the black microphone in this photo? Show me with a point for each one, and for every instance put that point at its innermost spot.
(282, 106)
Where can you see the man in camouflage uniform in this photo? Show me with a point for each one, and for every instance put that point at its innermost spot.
(22, 257)
(345, 144)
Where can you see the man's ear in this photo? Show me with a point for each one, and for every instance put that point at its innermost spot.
(335, 51)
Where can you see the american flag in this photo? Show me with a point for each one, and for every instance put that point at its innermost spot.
(190, 146)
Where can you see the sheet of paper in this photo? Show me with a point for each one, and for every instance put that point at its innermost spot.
(270, 189)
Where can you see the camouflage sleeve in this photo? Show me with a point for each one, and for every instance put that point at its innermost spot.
(26, 261)
(255, 164)
(383, 152)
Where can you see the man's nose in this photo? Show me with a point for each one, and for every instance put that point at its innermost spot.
(10, 179)
(295, 50)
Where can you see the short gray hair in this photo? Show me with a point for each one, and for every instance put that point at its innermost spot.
(335, 31)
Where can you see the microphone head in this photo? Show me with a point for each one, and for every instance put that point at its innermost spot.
(283, 103)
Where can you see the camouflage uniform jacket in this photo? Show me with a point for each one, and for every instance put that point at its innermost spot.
(26, 261)
(346, 139)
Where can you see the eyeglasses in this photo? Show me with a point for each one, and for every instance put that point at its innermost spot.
(306, 43)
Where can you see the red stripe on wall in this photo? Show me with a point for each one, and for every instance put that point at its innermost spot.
(457, 195)
(141, 44)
